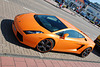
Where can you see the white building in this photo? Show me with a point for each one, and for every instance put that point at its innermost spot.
(93, 12)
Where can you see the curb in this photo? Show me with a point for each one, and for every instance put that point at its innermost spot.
(38, 57)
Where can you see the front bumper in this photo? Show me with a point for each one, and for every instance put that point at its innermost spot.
(17, 34)
(29, 40)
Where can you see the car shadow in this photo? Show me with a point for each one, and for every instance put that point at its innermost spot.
(6, 29)
(96, 52)
(66, 53)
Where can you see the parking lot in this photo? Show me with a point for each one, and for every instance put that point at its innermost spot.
(11, 47)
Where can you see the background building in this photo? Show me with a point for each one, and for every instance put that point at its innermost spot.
(75, 4)
(93, 12)
(86, 8)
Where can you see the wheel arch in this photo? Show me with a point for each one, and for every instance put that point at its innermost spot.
(46, 38)
(84, 50)
(53, 41)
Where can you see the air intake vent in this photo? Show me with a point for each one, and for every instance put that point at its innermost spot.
(80, 47)
(20, 37)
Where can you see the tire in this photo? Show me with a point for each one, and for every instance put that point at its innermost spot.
(86, 52)
(45, 45)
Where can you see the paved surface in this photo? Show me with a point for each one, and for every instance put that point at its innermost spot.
(9, 45)
(32, 62)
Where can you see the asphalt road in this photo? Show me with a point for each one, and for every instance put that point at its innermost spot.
(10, 8)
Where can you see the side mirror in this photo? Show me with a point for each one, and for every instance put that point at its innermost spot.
(65, 35)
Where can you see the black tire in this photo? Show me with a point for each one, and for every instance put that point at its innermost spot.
(86, 52)
(45, 45)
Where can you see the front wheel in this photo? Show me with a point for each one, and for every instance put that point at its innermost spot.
(86, 52)
(45, 45)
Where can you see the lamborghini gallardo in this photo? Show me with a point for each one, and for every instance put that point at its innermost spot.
(51, 33)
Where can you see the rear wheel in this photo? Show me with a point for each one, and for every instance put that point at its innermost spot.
(86, 52)
(45, 45)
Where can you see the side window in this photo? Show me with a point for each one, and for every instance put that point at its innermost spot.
(81, 36)
(73, 34)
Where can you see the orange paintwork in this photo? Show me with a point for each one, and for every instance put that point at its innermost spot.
(26, 22)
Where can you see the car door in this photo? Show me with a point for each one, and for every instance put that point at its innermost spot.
(72, 42)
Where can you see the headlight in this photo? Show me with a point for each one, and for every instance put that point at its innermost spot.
(32, 32)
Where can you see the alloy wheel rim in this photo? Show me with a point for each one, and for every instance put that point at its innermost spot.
(86, 52)
(44, 45)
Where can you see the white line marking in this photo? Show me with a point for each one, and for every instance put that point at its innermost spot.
(6, 0)
(29, 9)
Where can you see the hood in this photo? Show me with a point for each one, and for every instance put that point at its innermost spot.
(27, 22)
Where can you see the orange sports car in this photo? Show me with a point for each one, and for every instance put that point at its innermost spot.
(47, 32)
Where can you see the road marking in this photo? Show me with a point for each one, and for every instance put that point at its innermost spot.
(6, 0)
(29, 10)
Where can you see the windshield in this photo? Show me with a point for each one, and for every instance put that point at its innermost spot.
(50, 23)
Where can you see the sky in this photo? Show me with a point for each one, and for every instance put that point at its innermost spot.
(98, 1)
